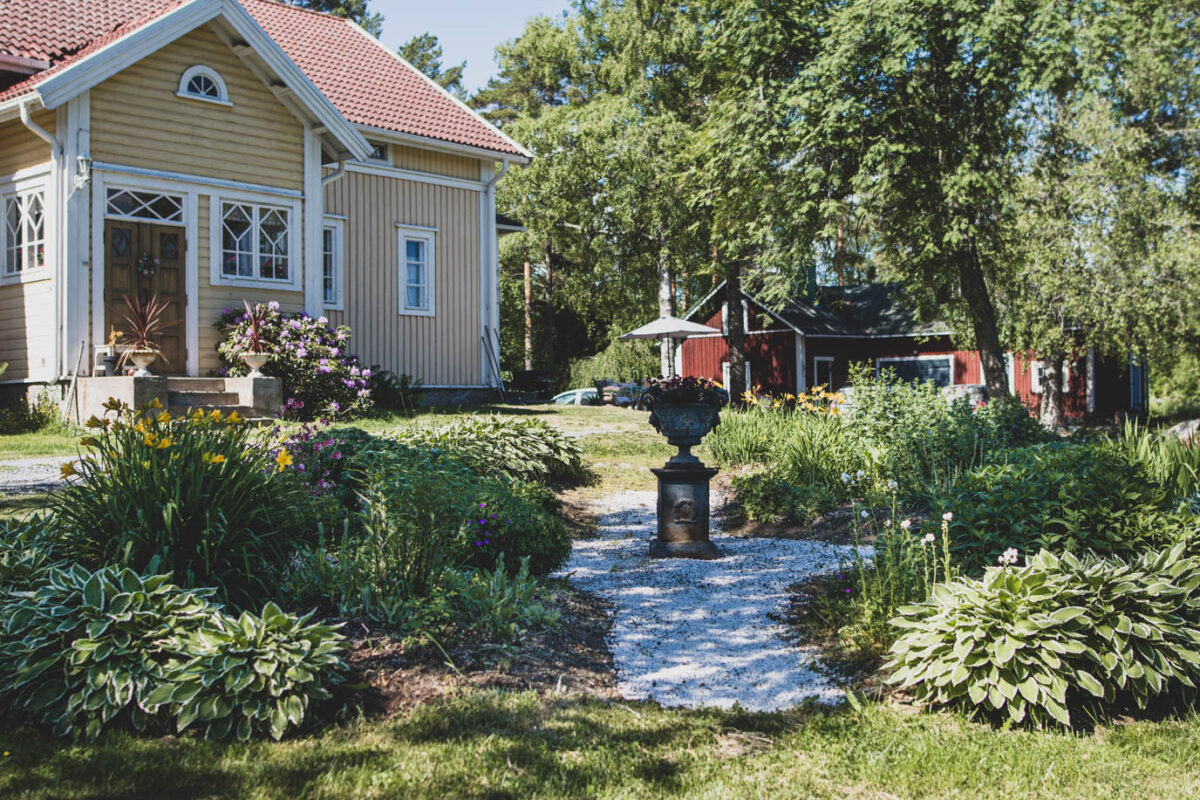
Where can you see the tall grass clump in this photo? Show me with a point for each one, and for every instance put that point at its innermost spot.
(1167, 459)
(199, 496)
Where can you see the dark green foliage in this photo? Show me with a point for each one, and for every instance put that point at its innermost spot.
(424, 52)
(201, 497)
(500, 447)
(509, 524)
(1171, 462)
(25, 417)
(26, 555)
(389, 390)
(766, 498)
(630, 361)
(1032, 641)
(1060, 496)
(85, 651)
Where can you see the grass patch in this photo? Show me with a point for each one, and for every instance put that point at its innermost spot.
(22, 507)
(496, 745)
(55, 440)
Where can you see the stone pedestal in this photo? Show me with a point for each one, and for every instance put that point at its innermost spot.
(683, 512)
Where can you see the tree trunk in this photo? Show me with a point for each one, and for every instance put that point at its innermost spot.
(735, 333)
(1051, 410)
(548, 301)
(983, 320)
(528, 314)
(666, 308)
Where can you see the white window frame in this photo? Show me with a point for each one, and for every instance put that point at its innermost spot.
(404, 233)
(725, 380)
(295, 279)
(24, 189)
(115, 188)
(385, 150)
(816, 381)
(880, 363)
(338, 226)
(200, 70)
(1035, 377)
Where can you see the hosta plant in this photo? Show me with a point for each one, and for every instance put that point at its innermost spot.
(1030, 641)
(493, 446)
(250, 674)
(89, 650)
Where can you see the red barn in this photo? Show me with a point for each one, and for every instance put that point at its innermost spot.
(810, 344)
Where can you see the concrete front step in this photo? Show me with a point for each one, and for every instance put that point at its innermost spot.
(219, 399)
(195, 384)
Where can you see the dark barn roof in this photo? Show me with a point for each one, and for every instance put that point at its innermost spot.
(874, 310)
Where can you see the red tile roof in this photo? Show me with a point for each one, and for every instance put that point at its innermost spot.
(368, 83)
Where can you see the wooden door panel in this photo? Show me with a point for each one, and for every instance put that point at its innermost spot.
(127, 242)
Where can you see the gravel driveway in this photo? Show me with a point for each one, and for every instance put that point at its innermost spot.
(31, 475)
(699, 633)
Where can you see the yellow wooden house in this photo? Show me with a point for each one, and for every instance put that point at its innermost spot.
(254, 151)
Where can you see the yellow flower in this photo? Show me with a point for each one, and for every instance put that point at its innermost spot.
(88, 441)
(145, 465)
(164, 417)
(197, 414)
(209, 458)
(96, 422)
(140, 427)
(154, 403)
(284, 459)
(215, 415)
(149, 440)
(164, 443)
(68, 469)
(112, 404)
(234, 418)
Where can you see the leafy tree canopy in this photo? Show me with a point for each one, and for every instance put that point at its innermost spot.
(425, 53)
(350, 9)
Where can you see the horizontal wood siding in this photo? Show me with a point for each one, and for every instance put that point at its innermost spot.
(440, 350)
(21, 149)
(27, 330)
(438, 163)
(215, 299)
(138, 121)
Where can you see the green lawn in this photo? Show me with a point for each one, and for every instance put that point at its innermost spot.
(491, 745)
(53, 441)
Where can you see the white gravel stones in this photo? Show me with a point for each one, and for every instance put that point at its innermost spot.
(31, 475)
(699, 633)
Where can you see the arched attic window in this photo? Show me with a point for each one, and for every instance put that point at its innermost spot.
(203, 83)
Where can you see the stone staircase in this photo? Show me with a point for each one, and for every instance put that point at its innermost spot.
(206, 394)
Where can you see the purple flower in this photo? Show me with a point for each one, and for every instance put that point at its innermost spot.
(301, 352)
(273, 305)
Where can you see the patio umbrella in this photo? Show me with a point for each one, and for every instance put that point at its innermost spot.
(669, 328)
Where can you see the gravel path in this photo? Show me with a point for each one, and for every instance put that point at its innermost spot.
(698, 633)
(31, 475)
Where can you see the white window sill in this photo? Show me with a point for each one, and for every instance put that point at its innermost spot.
(257, 283)
(334, 306)
(416, 312)
(212, 101)
(25, 276)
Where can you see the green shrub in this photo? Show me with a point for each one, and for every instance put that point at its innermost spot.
(1169, 461)
(619, 361)
(749, 436)
(767, 498)
(1032, 641)
(26, 555)
(250, 674)
(498, 604)
(1060, 496)
(503, 525)
(199, 497)
(25, 417)
(499, 447)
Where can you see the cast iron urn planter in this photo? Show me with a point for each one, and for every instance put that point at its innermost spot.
(683, 481)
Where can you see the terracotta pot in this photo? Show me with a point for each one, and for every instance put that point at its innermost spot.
(142, 359)
(255, 362)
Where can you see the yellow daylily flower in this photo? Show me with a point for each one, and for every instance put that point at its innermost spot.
(217, 459)
(154, 403)
(164, 417)
(68, 469)
(112, 404)
(149, 439)
(284, 459)
(164, 443)
(215, 415)
(96, 422)
(234, 418)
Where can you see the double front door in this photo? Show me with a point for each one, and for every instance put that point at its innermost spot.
(146, 260)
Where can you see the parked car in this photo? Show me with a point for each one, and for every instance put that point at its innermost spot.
(575, 397)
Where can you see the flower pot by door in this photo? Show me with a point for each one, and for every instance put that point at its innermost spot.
(255, 362)
(142, 359)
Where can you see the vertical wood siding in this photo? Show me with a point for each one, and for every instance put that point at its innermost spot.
(440, 350)
(137, 120)
(215, 299)
(26, 310)
(434, 162)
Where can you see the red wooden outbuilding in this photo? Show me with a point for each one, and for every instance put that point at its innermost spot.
(813, 343)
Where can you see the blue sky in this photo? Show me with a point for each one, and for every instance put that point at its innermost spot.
(468, 30)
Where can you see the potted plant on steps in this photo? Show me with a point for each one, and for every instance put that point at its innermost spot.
(110, 360)
(684, 410)
(256, 347)
(145, 323)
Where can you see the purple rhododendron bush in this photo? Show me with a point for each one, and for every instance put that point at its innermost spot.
(321, 377)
